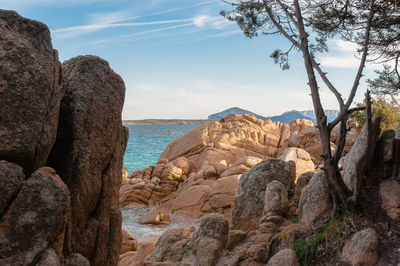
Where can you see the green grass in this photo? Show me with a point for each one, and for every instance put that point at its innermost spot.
(327, 240)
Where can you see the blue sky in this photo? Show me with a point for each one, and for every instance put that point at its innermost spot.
(181, 59)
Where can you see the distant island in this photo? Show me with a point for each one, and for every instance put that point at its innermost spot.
(286, 117)
(165, 122)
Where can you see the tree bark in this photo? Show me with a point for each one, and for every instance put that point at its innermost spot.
(339, 190)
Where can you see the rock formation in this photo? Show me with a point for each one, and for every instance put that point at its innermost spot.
(198, 173)
(30, 92)
(250, 195)
(69, 118)
(88, 155)
(315, 200)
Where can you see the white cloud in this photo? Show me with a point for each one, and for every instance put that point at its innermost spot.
(74, 31)
(200, 21)
(344, 55)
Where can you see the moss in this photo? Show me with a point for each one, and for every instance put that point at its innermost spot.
(326, 241)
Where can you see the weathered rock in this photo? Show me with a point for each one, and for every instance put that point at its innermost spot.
(30, 94)
(157, 215)
(357, 160)
(208, 251)
(235, 237)
(76, 259)
(285, 257)
(165, 243)
(35, 221)
(129, 242)
(389, 191)
(210, 239)
(223, 191)
(315, 200)
(250, 195)
(302, 181)
(276, 198)
(301, 158)
(362, 248)
(11, 177)
(88, 155)
(214, 226)
(146, 247)
(189, 201)
(49, 258)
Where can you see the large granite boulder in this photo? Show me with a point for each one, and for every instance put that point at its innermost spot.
(33, 226)
(30, 94)
(250, 195)
(88, 155)
(356, 162)
(315, 200)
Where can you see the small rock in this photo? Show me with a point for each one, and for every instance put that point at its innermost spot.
(276, 198)
(235, 238)
(362, 248)
(129, 242)
(286, 257)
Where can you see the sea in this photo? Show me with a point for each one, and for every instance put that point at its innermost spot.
(145, 145)
(147, 142)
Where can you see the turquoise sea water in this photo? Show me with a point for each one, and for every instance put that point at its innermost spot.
(147, 142)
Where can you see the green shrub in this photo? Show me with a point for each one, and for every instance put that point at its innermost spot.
(388, 107)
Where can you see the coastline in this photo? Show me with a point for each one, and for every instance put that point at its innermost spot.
(166, 122)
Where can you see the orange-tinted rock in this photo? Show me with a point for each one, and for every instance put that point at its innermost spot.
(129, 242)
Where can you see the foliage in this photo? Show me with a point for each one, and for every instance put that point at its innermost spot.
(388, 107)
(327, 240)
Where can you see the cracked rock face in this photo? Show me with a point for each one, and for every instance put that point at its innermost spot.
(88, 155)
(30, 94)
(35, 220)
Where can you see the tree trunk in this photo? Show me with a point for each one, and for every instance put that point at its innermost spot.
(339, 190)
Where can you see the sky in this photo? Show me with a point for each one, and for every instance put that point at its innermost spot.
(181, 60)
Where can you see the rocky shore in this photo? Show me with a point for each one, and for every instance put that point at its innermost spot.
(261, 201)
(199, 172)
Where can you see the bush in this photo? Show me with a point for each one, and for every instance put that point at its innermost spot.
(324, 244)
(388, 107)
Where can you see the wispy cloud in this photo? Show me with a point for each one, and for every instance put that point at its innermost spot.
(124, 36)
(80, 30)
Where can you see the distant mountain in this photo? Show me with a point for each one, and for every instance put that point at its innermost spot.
(286, 117)
(331, 114)
(289, 116)
(233, 110)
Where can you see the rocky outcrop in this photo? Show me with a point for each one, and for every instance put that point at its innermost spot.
(70, 119)
(315, 200)
(250, 194)
(362, 248)
(30, 93)
(359, 158)
(88, 155)
(33, 225)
